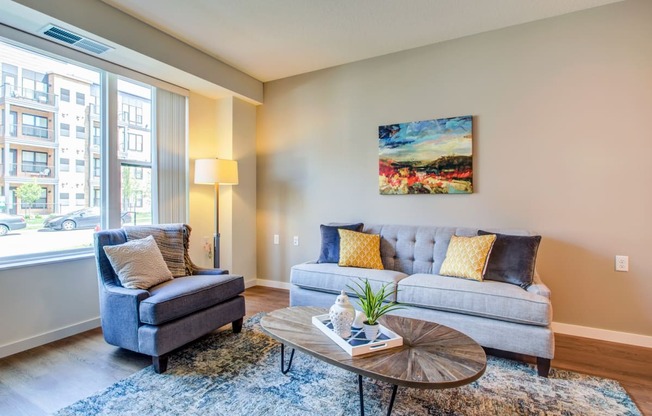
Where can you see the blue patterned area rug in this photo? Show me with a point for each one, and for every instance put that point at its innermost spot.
(239, 374)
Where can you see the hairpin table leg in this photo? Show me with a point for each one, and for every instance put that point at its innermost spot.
(284, 370)
(391, 400)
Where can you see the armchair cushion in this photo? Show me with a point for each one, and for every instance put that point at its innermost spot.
(138, 263)
(185, 295)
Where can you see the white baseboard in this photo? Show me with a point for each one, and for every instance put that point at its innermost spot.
(603, 334)
(47, 337)
(272, 283)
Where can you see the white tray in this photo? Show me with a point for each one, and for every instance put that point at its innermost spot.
(357, 344)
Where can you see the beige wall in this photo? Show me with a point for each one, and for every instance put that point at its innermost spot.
(561, 146)
(224, 128)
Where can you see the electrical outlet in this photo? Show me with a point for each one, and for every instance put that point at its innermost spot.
(277, 239)
(622, 263)
(295, 241)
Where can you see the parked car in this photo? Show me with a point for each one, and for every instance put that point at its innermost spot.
(83, 218)
(10, 222)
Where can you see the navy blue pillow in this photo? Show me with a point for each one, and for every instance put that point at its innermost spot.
(512, 259)
(330, 241)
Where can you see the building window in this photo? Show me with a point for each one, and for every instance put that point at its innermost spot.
(97, 168)
(64, 198)
(96, 197)
(139, 199)
(96, 135)
(80, 166)
(138, 173)
(34, 162)
(81, 132)
(135, 142)
(64, 164)
(35, 126)
(40, 203)
(79, 199)
(81, 98)
(64, 95)
(35, 86)
(64, 130)
(132, 114)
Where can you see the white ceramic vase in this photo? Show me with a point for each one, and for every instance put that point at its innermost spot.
(341, 315)
(360, 317)
(371, 331)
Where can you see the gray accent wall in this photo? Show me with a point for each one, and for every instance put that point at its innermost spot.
(562, 110)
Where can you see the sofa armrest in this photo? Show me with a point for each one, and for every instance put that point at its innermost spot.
(538, 287)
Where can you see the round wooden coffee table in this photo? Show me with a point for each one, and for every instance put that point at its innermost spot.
(432, 356)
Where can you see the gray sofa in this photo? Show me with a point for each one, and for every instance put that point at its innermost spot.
(497, 315)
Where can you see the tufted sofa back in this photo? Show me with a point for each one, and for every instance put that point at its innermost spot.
(420, 249)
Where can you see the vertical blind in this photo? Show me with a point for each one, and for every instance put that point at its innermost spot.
(171, 157)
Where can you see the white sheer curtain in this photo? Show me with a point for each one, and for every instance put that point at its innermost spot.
(171, 157)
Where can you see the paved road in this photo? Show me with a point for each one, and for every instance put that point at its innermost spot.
(38, 241)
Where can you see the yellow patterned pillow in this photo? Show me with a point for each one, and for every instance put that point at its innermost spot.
(360, 250)
(467, 256)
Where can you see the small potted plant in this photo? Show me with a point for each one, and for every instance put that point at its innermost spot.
(373, 305)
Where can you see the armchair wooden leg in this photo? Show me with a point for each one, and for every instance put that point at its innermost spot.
(160, 363)
(237, 325)
(543, 366)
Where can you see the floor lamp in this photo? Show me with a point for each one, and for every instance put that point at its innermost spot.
(216, 172)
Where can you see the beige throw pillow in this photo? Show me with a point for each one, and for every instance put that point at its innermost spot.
(138, 263)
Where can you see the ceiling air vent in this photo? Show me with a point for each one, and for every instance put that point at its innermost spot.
(73, 39)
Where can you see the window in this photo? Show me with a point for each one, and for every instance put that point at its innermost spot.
(135, 142)
(34, 162)
(80, 132)
(35, 126)
(35, 86)
(96, 135)
(81, 164)
(13, 123)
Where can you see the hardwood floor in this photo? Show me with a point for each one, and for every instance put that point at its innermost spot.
(47, 378)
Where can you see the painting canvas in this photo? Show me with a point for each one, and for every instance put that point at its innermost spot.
(426, 157)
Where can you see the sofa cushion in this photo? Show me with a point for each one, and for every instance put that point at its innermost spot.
(490, 299)
(466, 257)
(138, 263)
(332, 278)
(330, 241)
(360, 250)
(169, 238)
(512, 259)
(185, 295)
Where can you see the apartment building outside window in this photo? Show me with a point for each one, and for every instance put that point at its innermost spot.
(80, 132)
(135, 142)
(81, 98)
(64, 164)
(64, 130)
(64, 95)
(80, 166)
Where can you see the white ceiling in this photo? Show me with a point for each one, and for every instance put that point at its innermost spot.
(272, 39)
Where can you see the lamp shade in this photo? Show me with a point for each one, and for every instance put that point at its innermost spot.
(216, 171)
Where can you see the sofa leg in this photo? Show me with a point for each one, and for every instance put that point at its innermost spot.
(543, 366)
(237, 325)
(160, 363)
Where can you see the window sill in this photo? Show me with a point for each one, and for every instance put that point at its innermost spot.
(45, 258)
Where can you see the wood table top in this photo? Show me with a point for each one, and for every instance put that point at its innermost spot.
(432, 356)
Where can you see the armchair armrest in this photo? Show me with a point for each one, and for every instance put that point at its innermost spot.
(204, 271)
(119, 315)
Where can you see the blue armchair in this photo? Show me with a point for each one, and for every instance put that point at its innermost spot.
(167, 316)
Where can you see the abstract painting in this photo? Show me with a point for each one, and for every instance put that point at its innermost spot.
(426, 157)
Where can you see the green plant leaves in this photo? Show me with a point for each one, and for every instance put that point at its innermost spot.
(374, 304)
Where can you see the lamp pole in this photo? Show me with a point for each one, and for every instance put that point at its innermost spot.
(216, 239)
